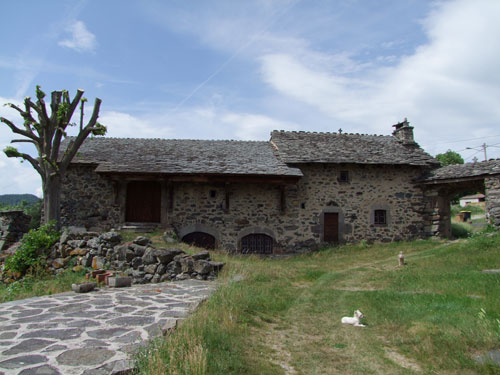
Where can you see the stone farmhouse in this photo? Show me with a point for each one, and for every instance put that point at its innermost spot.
(294, 192)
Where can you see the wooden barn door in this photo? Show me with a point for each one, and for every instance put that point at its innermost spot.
(331, 227)
(143, 202)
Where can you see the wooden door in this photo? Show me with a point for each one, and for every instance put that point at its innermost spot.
(143, 202)
(331, 227)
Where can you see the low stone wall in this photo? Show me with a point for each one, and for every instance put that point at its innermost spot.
(492, 190)
(79, 248)
(13, 226)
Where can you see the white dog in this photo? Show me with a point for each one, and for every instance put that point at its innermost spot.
(354, 320)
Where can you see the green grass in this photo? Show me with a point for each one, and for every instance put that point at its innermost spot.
(474, 209)
(40, 284)
(284, 317)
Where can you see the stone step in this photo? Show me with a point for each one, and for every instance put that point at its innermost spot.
(140, 227)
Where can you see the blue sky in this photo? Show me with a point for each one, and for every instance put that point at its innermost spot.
(238, 69)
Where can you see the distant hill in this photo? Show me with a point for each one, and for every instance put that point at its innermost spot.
(13, 199)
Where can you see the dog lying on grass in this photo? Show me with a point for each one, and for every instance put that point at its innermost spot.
(354, 320)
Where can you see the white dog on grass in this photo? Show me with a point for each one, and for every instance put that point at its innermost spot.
(354, 320)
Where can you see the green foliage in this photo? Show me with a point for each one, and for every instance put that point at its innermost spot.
(449, 158)
(460, 230)
(62, 112)
(40, 283)
(34, 246)
(39, 93)
(11, 152)
(99, 129)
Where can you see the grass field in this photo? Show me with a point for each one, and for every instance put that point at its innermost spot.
(283, 316)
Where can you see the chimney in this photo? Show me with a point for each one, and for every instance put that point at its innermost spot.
(404, 132)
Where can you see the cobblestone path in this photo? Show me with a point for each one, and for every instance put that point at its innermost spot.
(90, 334)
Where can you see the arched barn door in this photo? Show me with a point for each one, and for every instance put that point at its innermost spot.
(257, 243)
(200, 239)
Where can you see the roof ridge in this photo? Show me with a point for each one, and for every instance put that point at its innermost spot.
(329, 133)
(174, 139)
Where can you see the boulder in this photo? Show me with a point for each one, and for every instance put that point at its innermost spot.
(149, 256)
(201, 255)
(202, 267)
(113, 238)
(143, 241)
(162, 268)
(136, 262)
(187, 264)
(173, 268)
(138, 250)
(217, 266)
(165, 256)
(151, 268)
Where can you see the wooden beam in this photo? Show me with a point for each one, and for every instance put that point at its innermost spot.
(282, 199)
(226, 190)
(246, 179)
(170, 187)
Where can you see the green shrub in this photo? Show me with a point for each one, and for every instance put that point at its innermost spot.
(459, 230)
(33, 248)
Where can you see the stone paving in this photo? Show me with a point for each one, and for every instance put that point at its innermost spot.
(94, 333)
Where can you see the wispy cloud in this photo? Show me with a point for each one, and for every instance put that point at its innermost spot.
(81, 39)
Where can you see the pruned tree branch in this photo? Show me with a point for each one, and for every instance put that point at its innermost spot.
(75, 145)
(16, 130)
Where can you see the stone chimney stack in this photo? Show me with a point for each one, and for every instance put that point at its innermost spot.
(404, 132)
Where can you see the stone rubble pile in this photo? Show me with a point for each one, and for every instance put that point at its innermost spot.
(13, 225)
(138, 259)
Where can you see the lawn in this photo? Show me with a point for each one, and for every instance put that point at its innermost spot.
(282, 316)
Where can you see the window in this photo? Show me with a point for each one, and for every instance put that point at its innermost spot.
(213, 193)
(344, 176)
(380, 217)
(257, 243)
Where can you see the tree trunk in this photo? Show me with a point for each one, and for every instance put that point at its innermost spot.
(52, 200)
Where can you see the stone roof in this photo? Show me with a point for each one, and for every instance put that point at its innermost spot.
(455, 171)
(306, 147)
(181, 156)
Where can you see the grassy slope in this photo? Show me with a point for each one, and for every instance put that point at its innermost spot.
(284, 317)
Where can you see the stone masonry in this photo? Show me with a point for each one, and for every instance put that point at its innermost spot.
(13, 225)
(492, 187)
(256, 207)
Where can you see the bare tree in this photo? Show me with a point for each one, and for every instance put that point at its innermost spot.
(46, 134)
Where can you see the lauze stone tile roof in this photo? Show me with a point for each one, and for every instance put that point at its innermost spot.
(484, 168)
(181, 156)
(307, 147)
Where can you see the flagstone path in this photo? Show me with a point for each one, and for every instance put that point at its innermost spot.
(94, 333)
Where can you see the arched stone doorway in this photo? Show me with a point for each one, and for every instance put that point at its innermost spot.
(200, 239)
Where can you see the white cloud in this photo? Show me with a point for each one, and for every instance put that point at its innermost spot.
(81, 40)
(451, 82)
(248, 126)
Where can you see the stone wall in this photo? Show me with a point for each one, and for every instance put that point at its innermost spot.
(93, 201)
(88, 199)
(492, 192)
(369, 187)
(256, 208)
(13, 225)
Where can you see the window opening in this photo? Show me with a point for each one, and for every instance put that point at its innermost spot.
(380, 217)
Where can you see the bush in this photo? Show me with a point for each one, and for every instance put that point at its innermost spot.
(33, 248)
(459, 230)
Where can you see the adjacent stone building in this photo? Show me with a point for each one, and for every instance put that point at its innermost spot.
(294, 192)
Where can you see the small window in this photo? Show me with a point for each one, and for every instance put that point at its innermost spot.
(303, 205)
(344, 176)
(380, 217)
(257, 243)
(213, 193)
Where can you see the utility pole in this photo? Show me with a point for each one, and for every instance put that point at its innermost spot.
(484, 146)
(484, 149)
